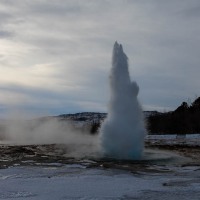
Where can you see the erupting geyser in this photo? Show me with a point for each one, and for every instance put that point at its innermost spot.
(123, 131)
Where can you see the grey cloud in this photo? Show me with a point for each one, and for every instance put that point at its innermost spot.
(54, 8)
(193, 12)
(4, 16)
(51, 101)
(42, 100)
(191, 9)
(32, 91)
(6, 34)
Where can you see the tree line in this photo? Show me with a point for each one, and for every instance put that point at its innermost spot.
(184, 120)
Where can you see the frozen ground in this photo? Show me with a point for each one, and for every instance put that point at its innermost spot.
(173, 137)
(45, 172)
(78, 182)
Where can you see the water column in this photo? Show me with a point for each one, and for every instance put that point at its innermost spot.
(123, 131)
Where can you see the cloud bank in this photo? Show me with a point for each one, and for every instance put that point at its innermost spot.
(55, 55)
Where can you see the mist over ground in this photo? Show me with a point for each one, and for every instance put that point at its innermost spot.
(49, 130)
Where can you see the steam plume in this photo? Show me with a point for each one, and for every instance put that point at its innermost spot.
(123, 131)
(77, 142)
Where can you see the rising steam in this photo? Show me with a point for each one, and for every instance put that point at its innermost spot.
(77, 142)
(123, 131)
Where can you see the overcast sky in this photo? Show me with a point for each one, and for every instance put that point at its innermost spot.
(55, 56)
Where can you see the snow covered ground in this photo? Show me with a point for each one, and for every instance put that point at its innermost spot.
(77, 182)
(188, 139)
(42, 172)
(173, 136)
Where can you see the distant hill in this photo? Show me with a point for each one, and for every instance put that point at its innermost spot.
(91, 117)
(92, 120)
(84, 117)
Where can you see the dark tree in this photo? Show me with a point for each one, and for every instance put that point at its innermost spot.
(94, 127)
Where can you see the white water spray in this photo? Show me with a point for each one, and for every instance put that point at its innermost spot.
(123, 131)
